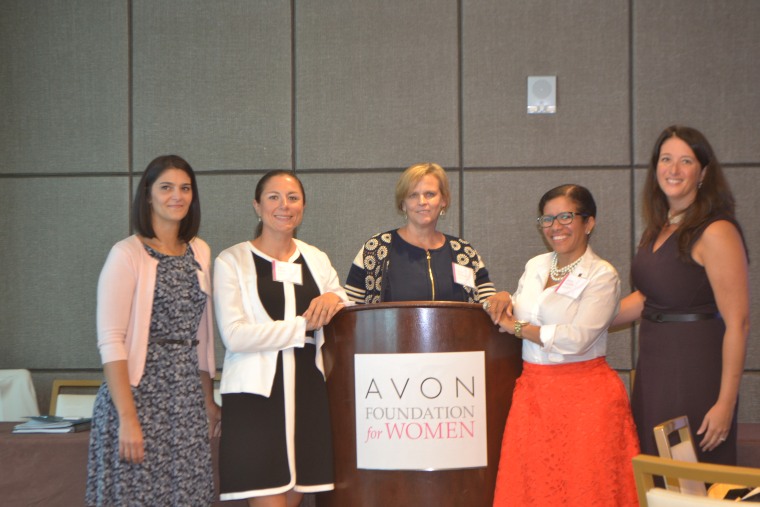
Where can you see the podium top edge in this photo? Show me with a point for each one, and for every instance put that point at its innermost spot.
(412, 304)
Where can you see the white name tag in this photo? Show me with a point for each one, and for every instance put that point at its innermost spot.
(463, 275)
(287, 272)
(572, 286)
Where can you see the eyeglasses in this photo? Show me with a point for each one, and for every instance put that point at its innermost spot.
(564, 218)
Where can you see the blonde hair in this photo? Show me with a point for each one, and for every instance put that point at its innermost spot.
(414, 174)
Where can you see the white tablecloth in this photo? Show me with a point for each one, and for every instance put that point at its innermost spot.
(17, 397)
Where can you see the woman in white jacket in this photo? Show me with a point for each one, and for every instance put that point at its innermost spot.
(272, 296)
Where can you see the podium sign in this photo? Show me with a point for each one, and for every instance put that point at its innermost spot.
(424, 332)
(420, 411)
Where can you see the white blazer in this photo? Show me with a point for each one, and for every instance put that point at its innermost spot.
(252, 339)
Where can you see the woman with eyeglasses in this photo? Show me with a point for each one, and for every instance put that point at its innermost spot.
(692, 296)
(569, 437)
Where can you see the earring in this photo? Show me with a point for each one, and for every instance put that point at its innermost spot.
(259, 218)
(405, 216)
(699, 185)
(443, 212)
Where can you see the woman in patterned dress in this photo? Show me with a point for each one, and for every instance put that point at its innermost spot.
(272, 296)
(417, 262)
(153, 417)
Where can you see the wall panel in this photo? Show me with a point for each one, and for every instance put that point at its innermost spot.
(376, 83)
(584, 44)
(63, 87)
(57, 233)
(212, 82)
(695, 63)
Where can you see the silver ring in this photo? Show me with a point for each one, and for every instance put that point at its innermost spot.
(486, 305)
(722, 439)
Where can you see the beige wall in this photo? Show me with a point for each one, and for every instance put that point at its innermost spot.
(347, 93)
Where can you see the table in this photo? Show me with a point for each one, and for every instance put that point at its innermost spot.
(51, 469)
(17, 396)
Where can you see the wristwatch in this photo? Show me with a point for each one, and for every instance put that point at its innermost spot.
(518, 327)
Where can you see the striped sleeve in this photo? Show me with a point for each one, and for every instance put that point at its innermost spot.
(486, 288)
(355, 282)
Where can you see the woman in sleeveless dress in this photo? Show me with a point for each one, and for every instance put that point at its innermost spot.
(273, 295)
(153, 417)
(692, 296)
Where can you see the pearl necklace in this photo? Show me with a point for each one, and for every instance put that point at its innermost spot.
(558, 274)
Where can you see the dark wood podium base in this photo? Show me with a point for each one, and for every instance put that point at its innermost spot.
(417, 327)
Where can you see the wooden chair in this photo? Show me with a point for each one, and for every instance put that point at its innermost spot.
(73, 398)
(217, 393)
(674, 441)
(645, 468)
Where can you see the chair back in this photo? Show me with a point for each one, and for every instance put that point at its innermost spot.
(645, 468)
(73, 398)
(217, 392)
(673, 438)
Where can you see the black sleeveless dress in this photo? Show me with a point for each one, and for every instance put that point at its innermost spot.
(679, 366)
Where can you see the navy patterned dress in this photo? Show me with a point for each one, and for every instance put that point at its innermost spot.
(177, 469)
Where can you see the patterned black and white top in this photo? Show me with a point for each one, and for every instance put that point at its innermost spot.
(417, 274)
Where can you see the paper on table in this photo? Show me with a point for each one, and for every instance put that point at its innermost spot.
(53, 424)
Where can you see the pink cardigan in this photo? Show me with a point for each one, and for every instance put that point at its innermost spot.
(125, 302)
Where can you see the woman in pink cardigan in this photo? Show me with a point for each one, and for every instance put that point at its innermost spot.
(152, 419)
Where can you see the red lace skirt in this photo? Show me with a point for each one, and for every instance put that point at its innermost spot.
(569, 439)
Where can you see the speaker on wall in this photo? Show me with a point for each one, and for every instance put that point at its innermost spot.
(542, 94)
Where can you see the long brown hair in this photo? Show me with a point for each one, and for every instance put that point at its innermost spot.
(714, 197)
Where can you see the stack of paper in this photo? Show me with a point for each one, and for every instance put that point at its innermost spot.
(53, 424)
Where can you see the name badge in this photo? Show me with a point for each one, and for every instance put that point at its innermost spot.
(463, 275)
(287, 272)
(572, 286)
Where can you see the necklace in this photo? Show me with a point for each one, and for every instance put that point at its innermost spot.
(675, 219)
(558, 274)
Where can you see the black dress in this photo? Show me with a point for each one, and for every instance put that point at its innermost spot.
(680, 363)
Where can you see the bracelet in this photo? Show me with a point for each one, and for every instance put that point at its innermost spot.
(518, 327)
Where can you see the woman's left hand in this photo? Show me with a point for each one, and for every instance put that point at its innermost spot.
(497, 305)
(715, 426)
(506, 323)
(214, 415)
(321, 310)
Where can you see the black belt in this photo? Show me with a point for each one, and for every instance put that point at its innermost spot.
(680, 317)
(175, 342)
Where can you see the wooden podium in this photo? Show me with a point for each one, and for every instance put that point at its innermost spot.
(414, 327)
